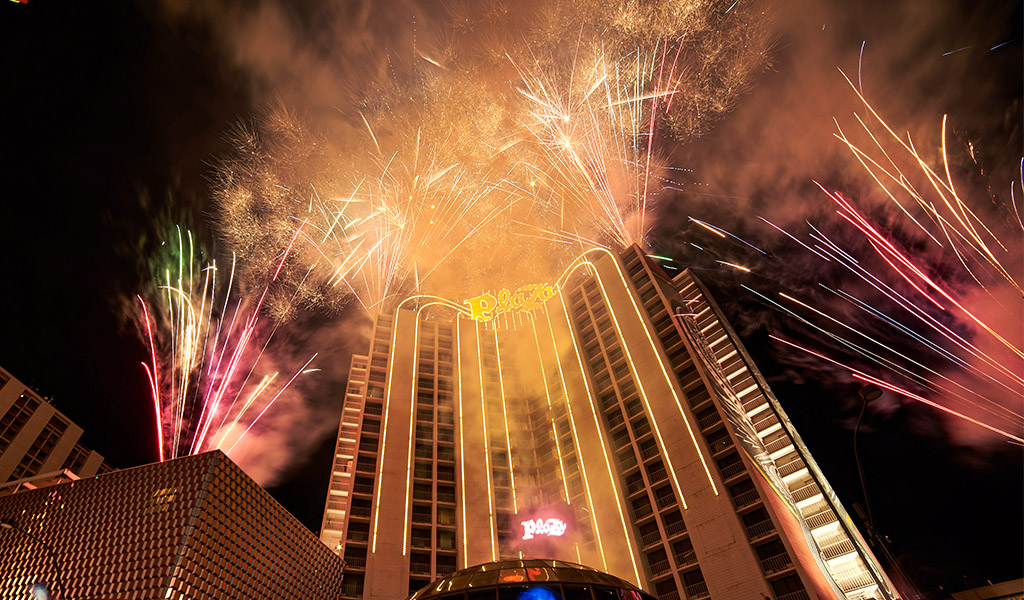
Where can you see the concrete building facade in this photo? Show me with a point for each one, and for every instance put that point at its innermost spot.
(609, 418)
(36, 438)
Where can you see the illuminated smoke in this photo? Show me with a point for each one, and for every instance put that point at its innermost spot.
(536, 128)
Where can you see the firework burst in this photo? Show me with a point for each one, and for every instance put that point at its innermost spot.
(205, 341)
(499, 136)
(930, 295)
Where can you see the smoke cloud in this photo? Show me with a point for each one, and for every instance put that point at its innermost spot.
(914, 63)
(385, 93)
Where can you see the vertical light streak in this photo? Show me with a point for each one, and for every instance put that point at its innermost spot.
(604, 448)
(412, 424)
(576, 436)
(640, 386)
(412, 408)
(504, 413)
(384, 430)
(154, 382)
(657, 353)
(487, 450)
(462, 446)
(554, 429)
(547, 396)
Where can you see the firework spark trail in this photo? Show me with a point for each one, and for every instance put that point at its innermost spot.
(934, 302)
(154, 382)
(272, 401)
(862, 376)
(885, 247)
(884, 384)
(722, 233)
(209, 362)
(264, 384)
(597, 149)
(968, 232)
(872, 356)
(210, 406)
(980, 402)
(494, 128)
(844, 259)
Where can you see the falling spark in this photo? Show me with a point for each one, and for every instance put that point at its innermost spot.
(200, 361)
(917, 308)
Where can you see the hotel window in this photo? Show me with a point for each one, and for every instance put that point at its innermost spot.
(15, 418)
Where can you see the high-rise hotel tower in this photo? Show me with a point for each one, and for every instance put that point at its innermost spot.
(611, 418)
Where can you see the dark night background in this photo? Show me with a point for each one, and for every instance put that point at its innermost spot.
(112, 109)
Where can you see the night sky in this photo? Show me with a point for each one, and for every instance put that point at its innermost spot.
(114, 115)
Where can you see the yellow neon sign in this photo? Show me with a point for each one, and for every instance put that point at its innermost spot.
(486, 307)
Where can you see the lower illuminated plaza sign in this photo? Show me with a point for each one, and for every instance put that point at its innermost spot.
(548, 527)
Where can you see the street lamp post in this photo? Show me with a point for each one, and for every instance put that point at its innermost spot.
(877, 540)
(13, 526)
(867, 394)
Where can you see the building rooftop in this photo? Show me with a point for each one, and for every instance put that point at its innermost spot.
(531, 580)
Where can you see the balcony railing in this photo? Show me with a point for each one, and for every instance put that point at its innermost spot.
(354, 562)
(649, 538)
(642, 511)
(633, 487)
(423, 568)
(821, 519)
(730, 471)
(856, 582)
(666, 500)
(808, 491)
(658, 475)
(659, 567)
(687, 558)
(675, 528)
(792, 467)
(697, 400)
(745, 499)
(779, 444)
(756, 401)
(359, 511)
(708, 421)
(774, 564)
(673, 595)
(759, 530)
(697, 590)
(648, 451)
(720, 445)
(764, 424)
(362, 488)
(838, 549)
(797, 595)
